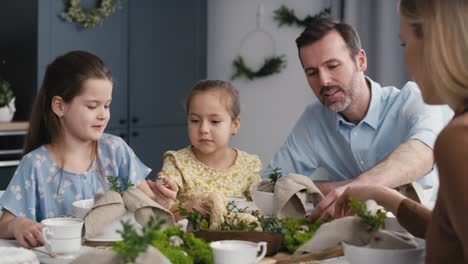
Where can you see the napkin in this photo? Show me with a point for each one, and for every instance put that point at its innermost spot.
(290, 194)
(414, 191)
(354, 231)
(151, 255)
(143, 207)
(108, 207)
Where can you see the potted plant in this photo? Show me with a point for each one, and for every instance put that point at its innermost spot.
(7, 101)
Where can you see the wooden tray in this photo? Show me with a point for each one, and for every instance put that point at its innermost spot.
(273, 239)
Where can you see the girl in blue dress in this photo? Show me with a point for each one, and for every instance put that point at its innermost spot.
(67, 156)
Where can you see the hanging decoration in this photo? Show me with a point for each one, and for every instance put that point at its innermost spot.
(271, 65)
(286, 16)
(74, 13)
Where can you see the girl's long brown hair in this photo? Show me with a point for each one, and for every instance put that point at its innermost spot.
(64, 77)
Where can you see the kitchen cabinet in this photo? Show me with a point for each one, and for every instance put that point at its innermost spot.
(156, 51)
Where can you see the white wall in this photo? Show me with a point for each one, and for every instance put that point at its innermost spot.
(269, 106)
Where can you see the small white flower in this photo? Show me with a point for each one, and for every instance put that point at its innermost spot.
(372, 207)
(67, 183)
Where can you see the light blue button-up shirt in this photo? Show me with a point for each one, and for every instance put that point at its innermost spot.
(324, 146)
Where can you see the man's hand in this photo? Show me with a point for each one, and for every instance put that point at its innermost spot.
(326, 208)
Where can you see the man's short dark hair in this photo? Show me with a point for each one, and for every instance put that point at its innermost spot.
(322, 26)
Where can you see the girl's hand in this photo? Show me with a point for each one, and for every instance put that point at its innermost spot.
(197, 204)
(165, 190)
(27, 232)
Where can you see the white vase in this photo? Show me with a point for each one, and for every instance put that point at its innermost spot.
(7, 112)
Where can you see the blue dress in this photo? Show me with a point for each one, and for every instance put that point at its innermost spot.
(40, 190)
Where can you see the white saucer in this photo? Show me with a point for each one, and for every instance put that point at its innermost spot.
(45, 258)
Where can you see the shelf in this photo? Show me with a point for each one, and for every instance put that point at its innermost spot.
(20, 127)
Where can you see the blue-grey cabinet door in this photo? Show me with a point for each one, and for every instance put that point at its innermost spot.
(150, 143)
(109, 41)
(167, 56)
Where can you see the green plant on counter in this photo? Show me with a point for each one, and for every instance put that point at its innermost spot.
(6, 94)
(115, 185)
(374, 220)
(88, 18)
(188, 248)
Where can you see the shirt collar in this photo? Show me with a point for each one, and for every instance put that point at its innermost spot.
(373, 113)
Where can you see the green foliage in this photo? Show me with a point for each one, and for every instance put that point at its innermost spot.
(88, 18)
(131, 244)
(375, 221)
(271, 66)
(275, 175)
(193, 250)
(115, 185)
(297, 231)
(194, 217)
(6, 94)
(286, 16)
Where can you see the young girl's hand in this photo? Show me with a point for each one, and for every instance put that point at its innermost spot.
(165, 190)
(27, 232)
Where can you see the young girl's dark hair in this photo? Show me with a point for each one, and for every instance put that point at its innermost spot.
(64, 77)
(232, 102)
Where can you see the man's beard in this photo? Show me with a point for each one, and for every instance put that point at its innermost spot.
(349, 97)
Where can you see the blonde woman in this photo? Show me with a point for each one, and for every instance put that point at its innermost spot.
(435, 36)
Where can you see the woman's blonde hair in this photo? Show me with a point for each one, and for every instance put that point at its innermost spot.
(442, 25)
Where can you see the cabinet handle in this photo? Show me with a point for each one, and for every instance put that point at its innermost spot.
(135, 134)
(122, 121)
(135, 120)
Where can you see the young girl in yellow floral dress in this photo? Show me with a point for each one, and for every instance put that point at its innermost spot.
(210, 164)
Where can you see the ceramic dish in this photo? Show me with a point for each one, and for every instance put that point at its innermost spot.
(273, 239)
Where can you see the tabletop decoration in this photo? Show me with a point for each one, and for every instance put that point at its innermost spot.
(178, 246)
(75, 13)
(286, 16)
(370, 213)
(115, 185)
(296, 231)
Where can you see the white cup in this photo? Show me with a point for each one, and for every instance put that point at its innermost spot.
(81, 208)
(62, 236)
(238, 251)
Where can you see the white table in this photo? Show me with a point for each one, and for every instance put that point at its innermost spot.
(46, 260)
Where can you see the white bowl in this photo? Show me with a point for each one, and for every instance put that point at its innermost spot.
(365, 255)
(264, 201)
(82, 207)
(392, 224)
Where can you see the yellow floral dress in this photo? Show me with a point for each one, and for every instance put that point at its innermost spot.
(195, 179)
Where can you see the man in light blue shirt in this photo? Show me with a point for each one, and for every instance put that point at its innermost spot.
(357, 132)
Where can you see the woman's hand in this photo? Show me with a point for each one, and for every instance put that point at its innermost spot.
(28, 233)
(386, 197)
